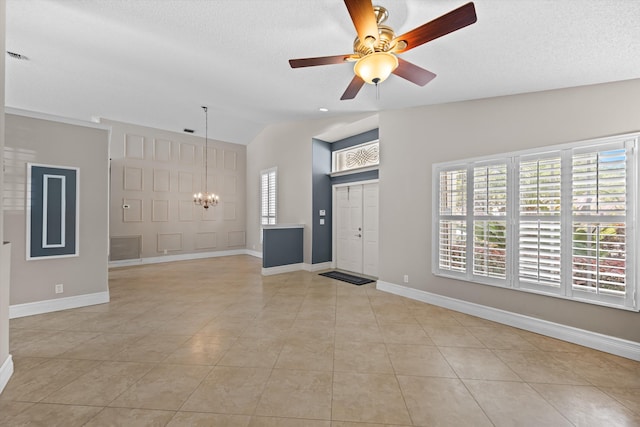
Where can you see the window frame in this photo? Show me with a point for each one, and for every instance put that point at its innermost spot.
(566, 218)
(267, 173)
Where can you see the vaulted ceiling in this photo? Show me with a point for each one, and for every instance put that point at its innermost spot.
(156, 62)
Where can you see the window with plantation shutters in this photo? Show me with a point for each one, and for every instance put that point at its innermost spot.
(452, 230)
(489, 220)
(557, 221)
(268, 202)
(599, 219)
(539, 222)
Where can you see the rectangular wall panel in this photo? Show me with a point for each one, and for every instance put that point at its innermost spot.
(134, 146)
(185, 182)
(206, 240)
(162, 150)
(132, 210)
(229, 211)
(185, 210)
(230, 160)
(187, 153)
(161, 180)
(169, 242)
(236, 238)
(133, 179)
(159, 210)
(230, 184)
(210, 214)
(212, 158)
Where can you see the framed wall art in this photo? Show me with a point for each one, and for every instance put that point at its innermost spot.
(52, 211)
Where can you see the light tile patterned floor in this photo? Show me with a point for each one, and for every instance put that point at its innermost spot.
(234, 348)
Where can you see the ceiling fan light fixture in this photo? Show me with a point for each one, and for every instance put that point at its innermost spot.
(376, 67)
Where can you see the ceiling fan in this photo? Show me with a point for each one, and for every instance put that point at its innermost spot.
(376, 46)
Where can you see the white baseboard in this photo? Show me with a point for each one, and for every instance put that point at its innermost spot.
(6, 370)
(319, 266)
(179, 257)
(609, 344)
(269, 271)
(254, 253)
(48, 306)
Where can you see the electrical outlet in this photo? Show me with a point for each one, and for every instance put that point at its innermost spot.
(406, 278)
(59, 288)
(165, 251)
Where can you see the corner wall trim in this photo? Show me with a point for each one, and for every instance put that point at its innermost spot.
(48, 306)
(254, 253)
(6, 370)
(319, 266)
(609, 344)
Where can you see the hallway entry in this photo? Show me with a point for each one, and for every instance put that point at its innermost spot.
(356, 213)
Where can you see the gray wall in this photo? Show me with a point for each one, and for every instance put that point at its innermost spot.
(62, 144)
(157, 172)
(413, 139)
(4, 287)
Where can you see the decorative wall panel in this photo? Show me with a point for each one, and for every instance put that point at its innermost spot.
(186, 182)
(159, 210)
(162, 150)
(133, 179)
(229, 211)
(230, 160)
(212, 157)
(52, 211)
(187, 153)
(210, 214)
(134, 146)
(132, 210)
(230, 185)
(161, 180)
(206, 240)
(169, 242)
(236, 238)
(185, 210)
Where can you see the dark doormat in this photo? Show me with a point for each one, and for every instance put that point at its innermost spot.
(349, 278)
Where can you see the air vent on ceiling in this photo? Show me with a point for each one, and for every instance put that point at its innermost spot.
(17, 56)
(188, 130)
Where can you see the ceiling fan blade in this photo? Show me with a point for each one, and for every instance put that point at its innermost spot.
(413, 73)
(321, 60)
(447, 23)
(353, 88)
(364, 19)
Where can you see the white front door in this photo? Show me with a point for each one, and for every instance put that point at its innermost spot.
(356, 214)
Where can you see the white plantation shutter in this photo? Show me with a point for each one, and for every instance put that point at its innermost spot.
(452, 229)
(557, 221)
(490, 232)
(599, 207)
(539, 222)
(268, 197)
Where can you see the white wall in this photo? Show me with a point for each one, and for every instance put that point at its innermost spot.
(62, 144)
(6, 368)
(413, 139)
(286, 146)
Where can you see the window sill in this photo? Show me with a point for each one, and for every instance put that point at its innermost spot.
(354, 171)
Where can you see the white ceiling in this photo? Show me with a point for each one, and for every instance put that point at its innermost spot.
(156, 62)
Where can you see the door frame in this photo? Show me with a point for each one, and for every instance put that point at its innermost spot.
(334, 215)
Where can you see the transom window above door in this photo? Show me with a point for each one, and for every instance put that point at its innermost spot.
(357, 157)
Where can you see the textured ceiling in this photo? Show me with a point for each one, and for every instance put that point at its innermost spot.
(155, 62)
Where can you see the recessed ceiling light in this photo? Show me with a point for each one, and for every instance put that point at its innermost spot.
(324, 110)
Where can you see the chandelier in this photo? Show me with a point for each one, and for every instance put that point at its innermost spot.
(206, 199)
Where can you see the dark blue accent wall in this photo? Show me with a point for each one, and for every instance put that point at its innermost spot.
(321, 244)
(321, 183)
(282, 246)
